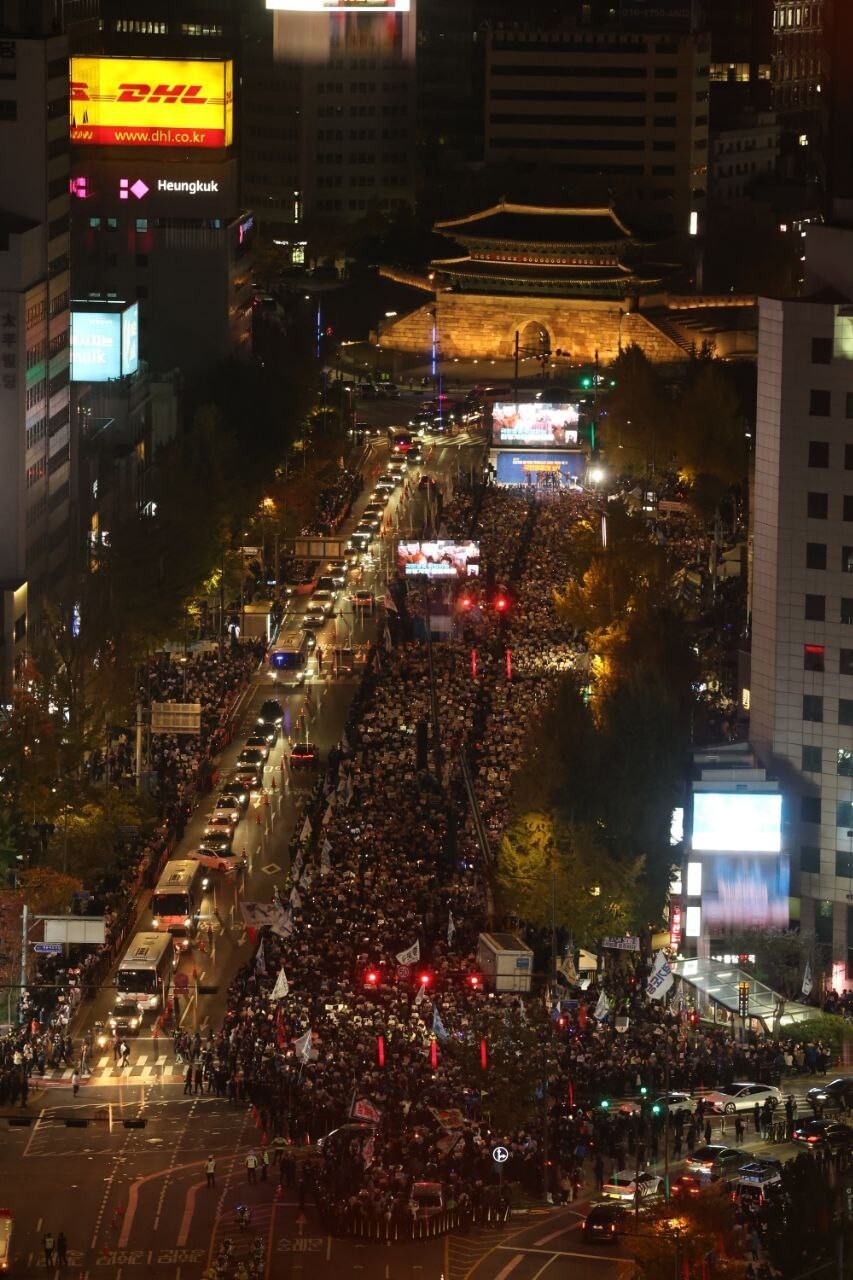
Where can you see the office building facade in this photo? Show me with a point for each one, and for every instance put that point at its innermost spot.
(801, 683)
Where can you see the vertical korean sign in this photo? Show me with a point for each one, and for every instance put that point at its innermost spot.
(9, 354)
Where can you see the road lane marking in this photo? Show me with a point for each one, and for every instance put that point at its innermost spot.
(510, 1266)
(189, 1210)
(573, 1226)
(563, 1253)
(33, 1132)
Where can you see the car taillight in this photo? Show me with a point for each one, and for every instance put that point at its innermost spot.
(812, 1138)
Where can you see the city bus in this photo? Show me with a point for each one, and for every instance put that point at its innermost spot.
(176, 901)
(399, 441)
(145, 973)
(290, 653)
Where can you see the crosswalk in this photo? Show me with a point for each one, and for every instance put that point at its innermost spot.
(153, 1068)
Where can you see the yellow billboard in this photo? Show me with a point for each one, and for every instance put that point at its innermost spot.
(151, 102)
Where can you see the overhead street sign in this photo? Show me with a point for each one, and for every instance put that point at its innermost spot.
(500, 1155)
(176, 717)
(47, 948)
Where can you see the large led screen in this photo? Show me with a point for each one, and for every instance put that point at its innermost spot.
(538, 470)
(151, 102)
(539, 426)
(746, 822)
(740, 892)
(95, 346)
(438, 559)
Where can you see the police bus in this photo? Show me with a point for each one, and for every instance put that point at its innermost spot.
(290, 653)
(145, 973)
(176, 901)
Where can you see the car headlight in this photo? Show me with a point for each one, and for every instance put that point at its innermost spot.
(156, 922)
(188, 921)
(134, 1022)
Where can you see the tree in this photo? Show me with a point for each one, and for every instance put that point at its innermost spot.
(551, 871)
(47, 891)
(702, 1224)
(637, 428)
(85, 838)
(711, 431)
(781, 956)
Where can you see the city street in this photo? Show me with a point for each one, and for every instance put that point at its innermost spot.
(133, 1200)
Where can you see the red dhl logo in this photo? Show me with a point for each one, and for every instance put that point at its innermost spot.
(189, 94)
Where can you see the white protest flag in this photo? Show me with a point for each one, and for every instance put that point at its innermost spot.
(302, 1046)
(421, 993)
(602, 1009)
(281, 988)
(411, 956)
(296, 865)
(283, 922)
(295, 898)
(260, 962)
(660, 978)
(451, 929)
(305, 833)
(325, 859)
(305, 879)
(808, 982)
(388, 601)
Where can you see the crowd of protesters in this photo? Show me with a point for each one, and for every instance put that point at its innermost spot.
(381, 1024)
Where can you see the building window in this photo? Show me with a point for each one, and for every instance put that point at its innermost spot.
(810, 810)
(810, 859)
(818, 453)
(845, 662)
(848, 412)
(815, 608)
(141, 224)
(820, 403)
(815, 555)
(847, 559)
(844, 814)
(812, 760)
(823, 923)
(813, 707)
(847, 507)
(844, 862)
(847, 610)
(813, 657)
(821, 350)
(844, 763)
(845, 711)
(817, 506)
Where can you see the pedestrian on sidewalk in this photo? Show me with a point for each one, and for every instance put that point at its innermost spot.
(740, 1129)
(707, 1131)
(210, 1171)
(251, 1168)
(75, 1082)
(62, 1251)
(47, 1241)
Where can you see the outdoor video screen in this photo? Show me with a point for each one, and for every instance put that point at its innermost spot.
(538, 470)
(439, 559)
(739, 892)
(746, 822)
(540, 426)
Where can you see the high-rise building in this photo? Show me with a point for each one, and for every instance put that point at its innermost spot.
(801, 683)
(37, 449)
(349, 72)
(615, 111)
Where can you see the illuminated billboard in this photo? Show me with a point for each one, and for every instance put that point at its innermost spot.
(439, 559)
(104, 344)
(538, 470)
(745, 892)
(151, 102)
(742, 822)
(339, 6)
(535, 425)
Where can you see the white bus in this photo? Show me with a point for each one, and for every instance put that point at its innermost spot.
(176, 901)
(145, 973)
(290, 653)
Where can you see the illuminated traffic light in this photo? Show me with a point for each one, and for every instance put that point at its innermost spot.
(424, 978)
(371, 978)
(501, 602)
(656, 1109)
(475, 981)
(643, 1090)
(465, 602)
(605, 1104)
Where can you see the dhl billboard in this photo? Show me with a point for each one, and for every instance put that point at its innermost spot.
(151, 102)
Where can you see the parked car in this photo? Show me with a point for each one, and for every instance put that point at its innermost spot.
(837, 1093)
(742, 1096)
(627, 1185)
(824, 1133)
(671, 1102)
(715, 1160)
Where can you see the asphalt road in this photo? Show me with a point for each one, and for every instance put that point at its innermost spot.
(133, 1201)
